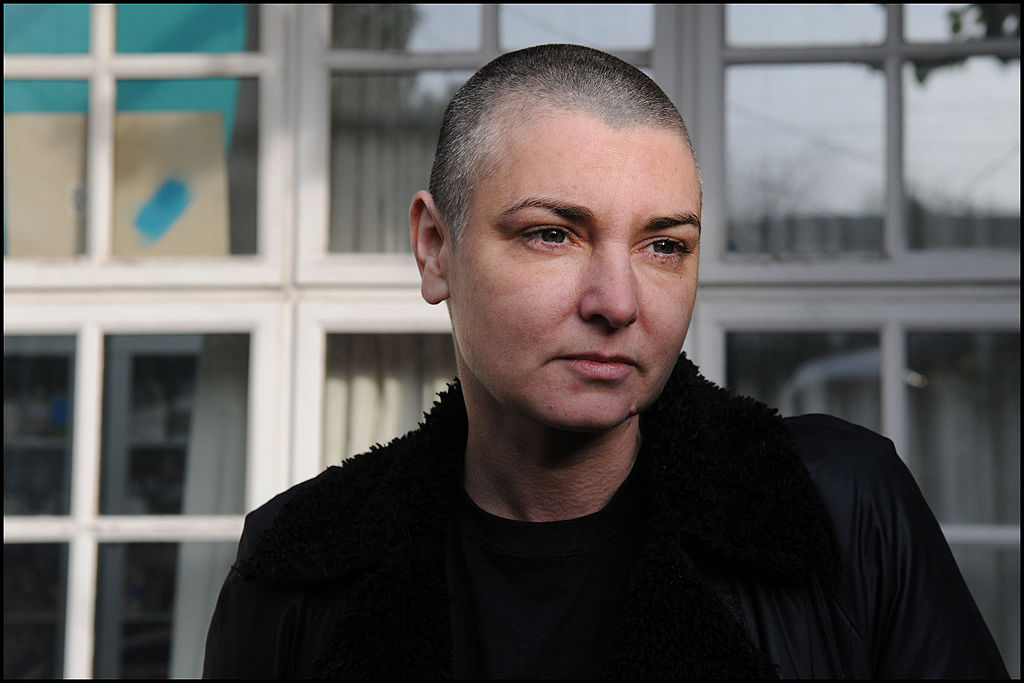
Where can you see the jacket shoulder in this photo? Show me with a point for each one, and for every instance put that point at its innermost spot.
(293, 520)
(899, 584)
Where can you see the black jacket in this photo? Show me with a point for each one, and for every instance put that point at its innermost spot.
(793, 548)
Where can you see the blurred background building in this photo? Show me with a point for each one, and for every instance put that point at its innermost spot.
(209, 295)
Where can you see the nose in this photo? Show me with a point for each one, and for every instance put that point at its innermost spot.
(609, 290)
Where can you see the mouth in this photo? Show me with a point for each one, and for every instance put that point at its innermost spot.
(601, 367)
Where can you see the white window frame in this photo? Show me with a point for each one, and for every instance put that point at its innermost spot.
(903, 291)
(696, 81)
(85, 528)
(315, 266)
(101, 68)
(398, 312)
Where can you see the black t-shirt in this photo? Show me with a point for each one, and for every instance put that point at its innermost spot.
(540, 599)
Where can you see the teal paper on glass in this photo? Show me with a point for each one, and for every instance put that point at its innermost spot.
(22, 97)
(158, 215)
(155, 27)
(46, 29)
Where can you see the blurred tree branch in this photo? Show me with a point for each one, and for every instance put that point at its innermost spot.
(974, 22)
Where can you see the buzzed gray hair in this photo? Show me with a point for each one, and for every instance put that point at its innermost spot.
(555, 78)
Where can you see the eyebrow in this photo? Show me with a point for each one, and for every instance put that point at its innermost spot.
(581, 214)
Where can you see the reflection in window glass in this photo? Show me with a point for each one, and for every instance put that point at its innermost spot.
(174, 424)
(993, 575)
(935, 22)
(804, 24)
(185, 167)
(35, 595)
(962, 151)
(378, 386)
(44, 138)
(605, 26)
(805, 162)
(153, 606)
(185, 27)
(808, 372)
(405, 27)
(38, 393)
(383, 135)
(46, 28)
(964, 424)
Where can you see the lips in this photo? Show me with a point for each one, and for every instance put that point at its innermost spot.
(601, 367)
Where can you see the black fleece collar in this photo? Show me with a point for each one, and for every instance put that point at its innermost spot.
(725, 493)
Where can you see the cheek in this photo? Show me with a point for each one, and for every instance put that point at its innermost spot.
(667, 312)
(523, 298)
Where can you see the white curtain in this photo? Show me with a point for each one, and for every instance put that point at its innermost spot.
(379, 386)
(214, 485)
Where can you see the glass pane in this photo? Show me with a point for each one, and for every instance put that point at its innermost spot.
(804, 24)
(174, 424)
(956, 22)
(378, 386)
(808, 372)
(185, 167)
(152, 27)
(964, 424)
(405, 27)
(993, 575)
(383, 135)
(35, 596)
(44, 138)
(46, 28)
(805, 159)
(604, 26)
(962, 150)
(38, 391)
(153, 607)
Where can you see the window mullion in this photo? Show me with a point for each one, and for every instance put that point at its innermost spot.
(893, 373)
(100, 145)
(895, 237)
(490, 30)
(708, 126)
(81, 598)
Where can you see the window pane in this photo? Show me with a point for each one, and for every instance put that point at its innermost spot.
(35, 595)
(38, 410)
(962, 149)
(805, 160)
(185, 167)
(405, 27)
(151, 27)
(603, 26)
(993, 575)
(44, 138)
(153, 607)
(174, 424)
(964, 424)
(808, 372)
(378, 386)
(383, 135)
(957, 22)
(46, 28)
(804, 24)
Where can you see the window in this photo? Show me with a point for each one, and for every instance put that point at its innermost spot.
(861, 244)
(211, 296)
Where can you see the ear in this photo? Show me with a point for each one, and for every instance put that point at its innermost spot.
(431, 244)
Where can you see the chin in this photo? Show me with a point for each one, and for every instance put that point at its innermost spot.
(592, 418)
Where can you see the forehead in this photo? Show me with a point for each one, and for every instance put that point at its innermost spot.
(582, 158)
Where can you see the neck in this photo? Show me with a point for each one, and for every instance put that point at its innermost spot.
(538, 474)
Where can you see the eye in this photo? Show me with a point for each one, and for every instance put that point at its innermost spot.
(551, 235)
(667, 247)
